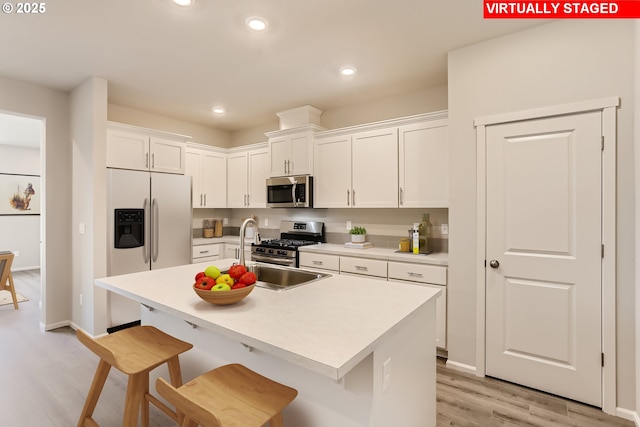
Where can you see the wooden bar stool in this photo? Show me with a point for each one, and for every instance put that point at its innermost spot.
(229, 396)
(134, 351)
(6, 279)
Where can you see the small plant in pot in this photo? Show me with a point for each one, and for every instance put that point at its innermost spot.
(358, 234)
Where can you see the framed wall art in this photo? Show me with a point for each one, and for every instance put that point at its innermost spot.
(19, 194)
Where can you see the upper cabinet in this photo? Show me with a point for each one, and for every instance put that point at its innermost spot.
(130, 147)
(248, 171)
(424, 164)
(357, 170)
(396, 163)
(291, 151)
(208, 168)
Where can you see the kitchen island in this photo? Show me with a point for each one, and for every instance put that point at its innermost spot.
(359, 352)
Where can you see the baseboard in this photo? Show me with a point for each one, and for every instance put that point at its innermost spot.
(628, 414)
(33, 267)
(52, 326)
(461, 367)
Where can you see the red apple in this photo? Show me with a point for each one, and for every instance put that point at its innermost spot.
(238, 285)
(205, 283)
(199, 275)
(237, 270)
(248, 278)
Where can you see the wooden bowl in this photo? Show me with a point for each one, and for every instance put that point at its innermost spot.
(224, 297)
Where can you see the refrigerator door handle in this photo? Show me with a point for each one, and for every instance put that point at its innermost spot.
(155, 212)
(146, 251)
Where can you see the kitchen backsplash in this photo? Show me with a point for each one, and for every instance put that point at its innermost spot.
(384, 227)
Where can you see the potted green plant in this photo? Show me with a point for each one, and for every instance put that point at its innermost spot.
(358, 234)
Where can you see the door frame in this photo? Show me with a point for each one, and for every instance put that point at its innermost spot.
(608, 108)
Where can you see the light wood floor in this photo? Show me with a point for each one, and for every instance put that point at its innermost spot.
(44, 378)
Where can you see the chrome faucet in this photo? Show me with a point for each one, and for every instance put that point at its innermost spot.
(243, 227)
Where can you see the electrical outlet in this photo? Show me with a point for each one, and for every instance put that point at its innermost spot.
(266, 222)
(386, 374)
(349, 225)
(81, 228)
(225, 221)
(16, 253)
(444, 229)
(80, 299)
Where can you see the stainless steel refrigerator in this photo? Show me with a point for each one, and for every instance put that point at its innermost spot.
(149, 227)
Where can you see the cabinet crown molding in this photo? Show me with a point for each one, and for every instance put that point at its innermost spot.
(401, 121)
(290, 131)
(151, 132)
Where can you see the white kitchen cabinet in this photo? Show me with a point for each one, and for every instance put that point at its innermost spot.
(426, 275)
(291, 151)
(232, 250)
(357, 170)
(363, 267)
(208, 169)
(129, 147)
(424, 164)
(319, 261)
(206, 253)
(247, 173)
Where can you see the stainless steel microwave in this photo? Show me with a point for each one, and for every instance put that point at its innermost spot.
(290, 192)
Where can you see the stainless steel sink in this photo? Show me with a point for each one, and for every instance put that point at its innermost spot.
(283, 278)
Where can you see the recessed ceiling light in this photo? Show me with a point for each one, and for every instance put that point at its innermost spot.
(184, 2)
(218, 110)
(347, 71)
(256, 23)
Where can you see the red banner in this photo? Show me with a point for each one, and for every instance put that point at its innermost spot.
(623, 9)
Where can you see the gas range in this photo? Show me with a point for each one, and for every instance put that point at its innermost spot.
(284, 251)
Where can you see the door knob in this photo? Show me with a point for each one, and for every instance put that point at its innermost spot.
(494, 263)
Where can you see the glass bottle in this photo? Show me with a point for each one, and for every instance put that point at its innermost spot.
(424, 231)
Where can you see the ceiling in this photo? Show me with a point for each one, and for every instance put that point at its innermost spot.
(182, 61)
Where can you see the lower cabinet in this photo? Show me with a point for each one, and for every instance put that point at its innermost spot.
(320, 261)
(363, 266)
(232, 250)
(206, 253)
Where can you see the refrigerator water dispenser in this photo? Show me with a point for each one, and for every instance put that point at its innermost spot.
(129, 228)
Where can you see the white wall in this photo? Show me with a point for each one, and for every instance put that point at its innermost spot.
(52, 105)
(21, 233)
(89, 133)
(636, 138)
(557, 63)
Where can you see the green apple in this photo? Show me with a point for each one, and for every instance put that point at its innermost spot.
(212, 271)
(225, 278)
(221, 287)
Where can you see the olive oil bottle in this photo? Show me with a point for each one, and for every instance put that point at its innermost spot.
(424, 234)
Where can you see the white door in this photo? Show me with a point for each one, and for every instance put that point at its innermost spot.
(333, 172)
(258, 174)
(543, 274)
(214, 180)
(375, 169)
(237, 180)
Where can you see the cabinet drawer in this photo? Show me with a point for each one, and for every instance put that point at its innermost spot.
(201, 251)
(418, 273)
(363, 266)
(326, 262)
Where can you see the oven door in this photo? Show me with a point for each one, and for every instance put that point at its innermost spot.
(290, 192)
(270, 259)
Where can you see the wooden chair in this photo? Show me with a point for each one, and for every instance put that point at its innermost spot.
(229, 396)
(6, 279)
(134, 351)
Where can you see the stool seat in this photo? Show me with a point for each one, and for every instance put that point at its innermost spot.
(134, 351)
(229, 396)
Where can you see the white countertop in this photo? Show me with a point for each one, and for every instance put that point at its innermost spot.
(327, 326)
(198, 241)
(439, 258)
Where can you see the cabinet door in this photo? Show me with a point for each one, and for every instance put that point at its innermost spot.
(237, 180)
(332, 181)
(301, 161)
(279, 150)
(193, 168)
(127, 150)
(167, 155)
(375, 169)
(424, 165)
(214, 179)
(258, 174)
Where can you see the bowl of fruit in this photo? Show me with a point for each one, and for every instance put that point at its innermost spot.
(224, 287)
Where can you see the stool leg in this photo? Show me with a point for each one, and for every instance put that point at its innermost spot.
(134, 399)
(175, 375)
(145, 403)
(100, 377)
